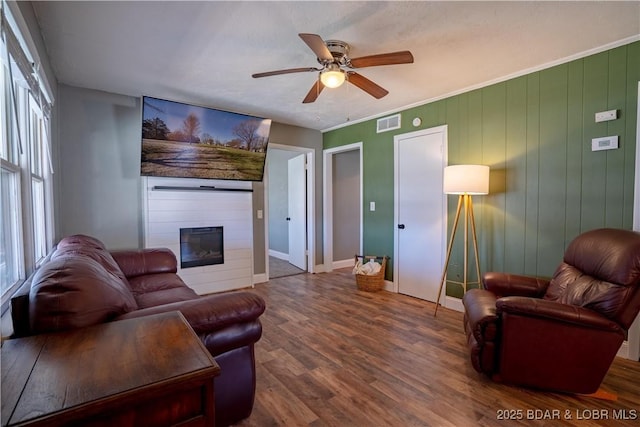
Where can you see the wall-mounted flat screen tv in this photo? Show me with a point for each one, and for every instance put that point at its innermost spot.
(187, 141)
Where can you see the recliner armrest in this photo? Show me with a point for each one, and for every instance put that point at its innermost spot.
(210, 313)
(551, 310)
(145, 261)
(480, 309)
(504, 284)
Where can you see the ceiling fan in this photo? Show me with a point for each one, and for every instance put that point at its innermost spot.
(337, 67)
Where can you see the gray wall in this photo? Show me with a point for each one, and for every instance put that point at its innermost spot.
(346, 205)
(297, 137)
(98, 177)
(97, 181)
(279, 198)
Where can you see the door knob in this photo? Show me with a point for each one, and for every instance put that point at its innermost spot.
(401, 226)
(288, 219)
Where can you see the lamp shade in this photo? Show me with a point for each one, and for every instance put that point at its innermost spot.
(332, 77)
(466, 179)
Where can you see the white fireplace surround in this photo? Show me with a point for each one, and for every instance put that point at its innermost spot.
(170, 204)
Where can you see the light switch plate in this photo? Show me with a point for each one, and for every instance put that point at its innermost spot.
(604, 116)
(604, 143)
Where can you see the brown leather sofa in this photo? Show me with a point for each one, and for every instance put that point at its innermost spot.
(81, 283)
(561, 333)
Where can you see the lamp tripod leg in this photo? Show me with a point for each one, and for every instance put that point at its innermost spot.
(475, 241)
(446, 262)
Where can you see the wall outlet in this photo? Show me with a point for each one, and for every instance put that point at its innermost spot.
(604, 116)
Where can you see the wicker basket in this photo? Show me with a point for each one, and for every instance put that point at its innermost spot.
(371, 282)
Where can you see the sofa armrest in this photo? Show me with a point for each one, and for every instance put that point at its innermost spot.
(480, 310)
(211, 312)
(139, 262)
(504, 284)
(555, 311)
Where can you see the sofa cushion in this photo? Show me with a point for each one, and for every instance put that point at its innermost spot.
(157, 289)
(75, 291)
(81, 239)
(93, 248)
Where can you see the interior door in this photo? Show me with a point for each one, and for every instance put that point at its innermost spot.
(420, 212)
(297, 217)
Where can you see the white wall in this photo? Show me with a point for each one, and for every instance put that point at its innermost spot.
(169, 210)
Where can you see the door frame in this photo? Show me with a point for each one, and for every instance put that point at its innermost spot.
(327, 202)
(396, 143)
(631, 348)
(311, 205)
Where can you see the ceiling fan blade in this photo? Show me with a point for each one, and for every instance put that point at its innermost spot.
(287, 71)
(317, 45)
(314, 92)
(367, 85)
(401, 57)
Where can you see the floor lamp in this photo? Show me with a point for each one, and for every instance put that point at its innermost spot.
(464, 180)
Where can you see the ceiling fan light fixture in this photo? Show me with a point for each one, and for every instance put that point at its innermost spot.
(332, 77)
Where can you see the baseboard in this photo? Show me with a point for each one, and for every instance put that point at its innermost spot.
(388, 286)
(260, 278)
(279, 255)
(625, 352)
(454, 304)
(343, 263)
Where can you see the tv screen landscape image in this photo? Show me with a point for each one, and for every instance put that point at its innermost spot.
(186, 141)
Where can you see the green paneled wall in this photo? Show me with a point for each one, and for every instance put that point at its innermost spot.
(535, 132)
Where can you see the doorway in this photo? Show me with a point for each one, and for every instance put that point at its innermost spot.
(342, 205)
(289, 208)
(420, 212)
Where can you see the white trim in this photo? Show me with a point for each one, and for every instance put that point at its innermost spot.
(327, 202)
(259, 278)
(279, 255)
(443, 129)
(345, 263)
(454, 304)
(520, 73)
(630, 349)
(311, 206)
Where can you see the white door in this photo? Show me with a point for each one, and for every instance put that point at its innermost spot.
(297, 217)
(420, 212)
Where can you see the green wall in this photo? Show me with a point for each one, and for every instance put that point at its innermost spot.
(535, 132)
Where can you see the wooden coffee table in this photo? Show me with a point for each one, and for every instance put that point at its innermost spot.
(147, 371)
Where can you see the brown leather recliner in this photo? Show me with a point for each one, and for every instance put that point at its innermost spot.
(561, 333)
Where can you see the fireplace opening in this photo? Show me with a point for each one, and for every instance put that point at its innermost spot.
(201, 246)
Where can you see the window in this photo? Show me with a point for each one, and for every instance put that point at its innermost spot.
(10, 229)
(37, 169)
(26, 203)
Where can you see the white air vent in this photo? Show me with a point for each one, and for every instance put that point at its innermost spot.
(388, 123)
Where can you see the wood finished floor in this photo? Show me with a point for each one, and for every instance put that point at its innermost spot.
(331, 355)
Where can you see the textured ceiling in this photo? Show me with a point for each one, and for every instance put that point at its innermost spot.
(205, 52)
